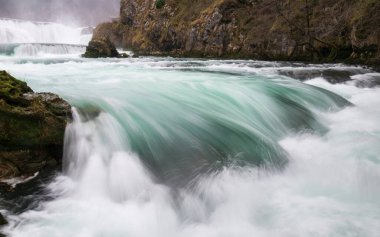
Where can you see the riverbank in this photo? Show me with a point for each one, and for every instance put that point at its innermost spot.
(319, 32)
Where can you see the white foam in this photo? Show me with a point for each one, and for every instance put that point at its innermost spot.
(329, 188)
(13, 31)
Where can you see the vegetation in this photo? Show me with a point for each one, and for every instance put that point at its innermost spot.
(11, 89)
(160, 4)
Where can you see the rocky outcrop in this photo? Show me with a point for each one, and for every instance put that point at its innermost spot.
(321, 31)
(32, 128)
(101, 47)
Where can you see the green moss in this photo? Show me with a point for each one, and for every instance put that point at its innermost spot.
(11, 89)
(160, 4)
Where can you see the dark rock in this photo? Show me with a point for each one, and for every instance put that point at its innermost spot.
(369, 81)
(88, 112)
(337, 76)
(302, 75)
(3, 221)
(101, 48)
(32, 128)
(123, 55)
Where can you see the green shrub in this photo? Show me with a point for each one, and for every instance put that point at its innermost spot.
(160, 4)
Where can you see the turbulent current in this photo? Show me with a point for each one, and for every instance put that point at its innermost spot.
(188, 147)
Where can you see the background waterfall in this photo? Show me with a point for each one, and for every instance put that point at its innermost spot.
(25, 38)
(186, 147)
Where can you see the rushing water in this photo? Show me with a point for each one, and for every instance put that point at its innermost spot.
(24, 38)
(185, 147)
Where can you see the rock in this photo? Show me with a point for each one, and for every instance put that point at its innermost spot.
(318, 31)
(330, 75)
(124, 55)
(3, 221)
(101, 47)
(32, 129)
(369, 81)
(337, 76)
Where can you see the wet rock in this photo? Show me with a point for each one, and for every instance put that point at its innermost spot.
(32, 128)
(337, 76)
(88, 112)
(124, 55)
(3, 221)
(301, 75)
(101, 47)
(368, 81)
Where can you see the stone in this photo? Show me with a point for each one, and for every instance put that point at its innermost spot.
(32, 128)
(101, 48)
(3, 221)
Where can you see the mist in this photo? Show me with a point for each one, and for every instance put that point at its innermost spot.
(74, 12)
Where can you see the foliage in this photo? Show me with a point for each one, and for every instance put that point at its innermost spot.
(160, 4)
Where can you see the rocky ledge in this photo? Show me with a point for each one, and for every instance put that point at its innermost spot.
(32, 127)
(317, 31)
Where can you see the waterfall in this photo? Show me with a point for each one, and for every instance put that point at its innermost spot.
(184, 147)
(26, 38)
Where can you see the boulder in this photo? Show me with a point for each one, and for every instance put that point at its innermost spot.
(101, 47)
(32, 129)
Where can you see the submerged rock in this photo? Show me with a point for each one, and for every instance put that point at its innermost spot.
(32, 129)
(101, 48)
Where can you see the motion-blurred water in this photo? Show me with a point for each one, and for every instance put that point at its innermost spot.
(187, 147)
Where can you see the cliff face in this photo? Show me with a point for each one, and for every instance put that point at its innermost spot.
(316, 30)
(32, 128)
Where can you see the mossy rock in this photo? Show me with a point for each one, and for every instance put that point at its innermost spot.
(12, 90)
(101, 48)
(32, 128)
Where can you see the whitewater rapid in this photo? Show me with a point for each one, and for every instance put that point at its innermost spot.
(187, 147)
(25, 38)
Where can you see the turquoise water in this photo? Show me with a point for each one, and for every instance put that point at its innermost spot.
(189, 147)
